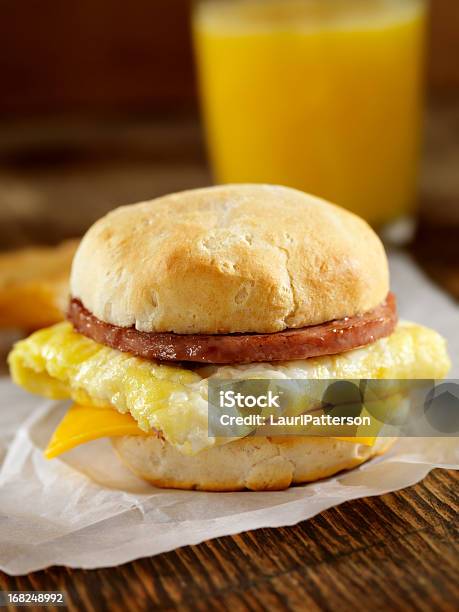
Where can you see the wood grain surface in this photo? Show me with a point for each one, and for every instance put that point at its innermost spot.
(395, 552)
(91, 56)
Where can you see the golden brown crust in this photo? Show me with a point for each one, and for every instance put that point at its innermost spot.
(255, 463)
(34, 285)
(235, 258)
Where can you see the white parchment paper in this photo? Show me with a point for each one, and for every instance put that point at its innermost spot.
(85, 510)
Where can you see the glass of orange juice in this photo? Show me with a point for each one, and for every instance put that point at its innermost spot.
(322, 95)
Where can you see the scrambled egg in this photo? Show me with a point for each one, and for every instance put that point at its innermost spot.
(60, 363)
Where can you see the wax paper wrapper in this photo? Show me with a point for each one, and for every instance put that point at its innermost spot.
(85, 510)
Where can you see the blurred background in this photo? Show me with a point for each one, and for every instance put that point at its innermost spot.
(100, 106)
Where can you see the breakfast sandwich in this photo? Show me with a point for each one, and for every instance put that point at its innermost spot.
(235, 283)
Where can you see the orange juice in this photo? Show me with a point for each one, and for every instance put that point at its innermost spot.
(322, 95)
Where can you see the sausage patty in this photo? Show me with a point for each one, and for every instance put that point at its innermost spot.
(324, 339)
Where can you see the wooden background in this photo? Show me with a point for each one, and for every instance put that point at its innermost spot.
(395, 552)
(98, 107)
(90, 56)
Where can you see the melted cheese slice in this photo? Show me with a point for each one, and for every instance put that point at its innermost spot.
(367, 440)
(83, 424)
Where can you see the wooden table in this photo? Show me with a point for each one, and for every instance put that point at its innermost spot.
(398, 551)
